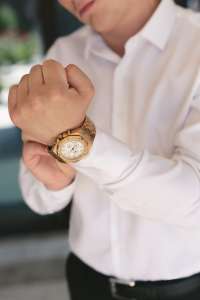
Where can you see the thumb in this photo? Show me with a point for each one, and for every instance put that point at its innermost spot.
(78, 80)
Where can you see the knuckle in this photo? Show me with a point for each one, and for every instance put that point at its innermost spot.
(12, 88)
(49, 62)
(24, 77)
(35, 68)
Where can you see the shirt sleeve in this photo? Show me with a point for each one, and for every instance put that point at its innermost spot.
(152, 186)
(39, 198)
(35, 194)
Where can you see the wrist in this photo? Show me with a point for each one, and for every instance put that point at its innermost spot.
(58, 187)
(75, 144)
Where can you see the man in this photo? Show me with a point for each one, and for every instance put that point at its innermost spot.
(133, 166)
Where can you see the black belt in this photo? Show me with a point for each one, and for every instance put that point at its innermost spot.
(170, 289)
(176, 289)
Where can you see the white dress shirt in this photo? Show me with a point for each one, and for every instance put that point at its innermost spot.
(136, 197)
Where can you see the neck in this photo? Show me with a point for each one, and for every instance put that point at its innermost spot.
(134, 22)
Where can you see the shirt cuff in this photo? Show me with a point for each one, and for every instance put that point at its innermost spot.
(108, 159)
(58, 194)
(39, 198)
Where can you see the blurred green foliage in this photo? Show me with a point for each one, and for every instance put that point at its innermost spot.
(8, 18)
(1, 87)
(14, 49)
(15, 46)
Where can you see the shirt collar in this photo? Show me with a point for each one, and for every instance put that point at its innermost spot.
(157, 31)
(97, 45)
(159, 27)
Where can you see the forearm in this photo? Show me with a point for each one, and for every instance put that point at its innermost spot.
(149, 185)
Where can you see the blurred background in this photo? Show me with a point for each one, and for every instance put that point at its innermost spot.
(33, 249)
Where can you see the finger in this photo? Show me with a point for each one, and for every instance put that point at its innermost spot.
(36, 77)
(53, 72)
(79, 81)
(23, 87)
(12, 100)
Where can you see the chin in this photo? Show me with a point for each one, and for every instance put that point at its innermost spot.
(102, 26)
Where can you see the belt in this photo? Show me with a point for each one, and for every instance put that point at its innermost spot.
(130, 290)
(175, 289)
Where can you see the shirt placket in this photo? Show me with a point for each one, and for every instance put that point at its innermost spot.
(121, 131)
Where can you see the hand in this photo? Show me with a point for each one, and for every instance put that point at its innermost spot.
(50, 100)
(45, 168)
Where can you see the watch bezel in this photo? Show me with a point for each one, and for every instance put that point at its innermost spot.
(70, 138)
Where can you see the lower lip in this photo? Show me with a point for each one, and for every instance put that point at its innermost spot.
(86, 9)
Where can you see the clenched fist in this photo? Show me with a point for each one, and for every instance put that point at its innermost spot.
(50, 100)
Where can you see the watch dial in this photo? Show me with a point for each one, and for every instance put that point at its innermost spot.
(72, 149)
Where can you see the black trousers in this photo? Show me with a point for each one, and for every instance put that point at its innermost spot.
(87, 284)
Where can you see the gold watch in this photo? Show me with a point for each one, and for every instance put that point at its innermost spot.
(74, 144)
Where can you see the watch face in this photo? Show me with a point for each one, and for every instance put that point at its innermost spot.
(72, 148)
